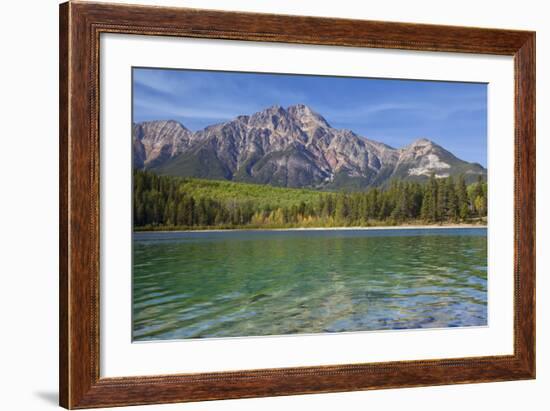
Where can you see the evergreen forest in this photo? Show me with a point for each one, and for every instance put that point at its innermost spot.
(176, 203)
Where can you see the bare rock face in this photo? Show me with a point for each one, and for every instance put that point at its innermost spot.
(155, 142)
(292, 147)
(423, 158)
(306, 118)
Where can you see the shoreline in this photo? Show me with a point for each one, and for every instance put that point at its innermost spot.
(396, 227)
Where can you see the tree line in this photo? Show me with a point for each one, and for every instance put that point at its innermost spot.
(163, 202)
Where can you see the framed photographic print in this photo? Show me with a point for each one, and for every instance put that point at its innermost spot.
(257, 205)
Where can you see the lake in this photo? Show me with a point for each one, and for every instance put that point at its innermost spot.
(269, 282)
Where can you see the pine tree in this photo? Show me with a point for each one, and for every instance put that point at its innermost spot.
(452, 200)
(462, 198)
(427, 210)
(341, 209)
(430, 198)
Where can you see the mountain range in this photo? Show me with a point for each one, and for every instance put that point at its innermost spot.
(289, 147)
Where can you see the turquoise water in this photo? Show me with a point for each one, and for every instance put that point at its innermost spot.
(252, 283)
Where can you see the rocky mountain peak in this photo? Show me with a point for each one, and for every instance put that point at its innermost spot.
(306, 117)
(271, 117)
(292, 147)
(423, 157)
(243, 119)
(422, 142)
(420, 147)
(156, 141)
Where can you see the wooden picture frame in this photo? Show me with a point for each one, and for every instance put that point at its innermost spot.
(80, 27)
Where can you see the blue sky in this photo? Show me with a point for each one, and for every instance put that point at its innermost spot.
(395, 112)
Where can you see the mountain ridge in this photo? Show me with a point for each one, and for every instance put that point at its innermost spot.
(292, 147)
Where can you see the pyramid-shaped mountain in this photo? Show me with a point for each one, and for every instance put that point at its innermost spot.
(292, 147)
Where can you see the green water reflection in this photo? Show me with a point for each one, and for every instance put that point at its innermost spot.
(251, 283)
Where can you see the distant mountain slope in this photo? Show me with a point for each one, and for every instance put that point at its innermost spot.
(155, 142)
(293, 147)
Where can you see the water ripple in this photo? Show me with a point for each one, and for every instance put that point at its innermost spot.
(228, 284)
